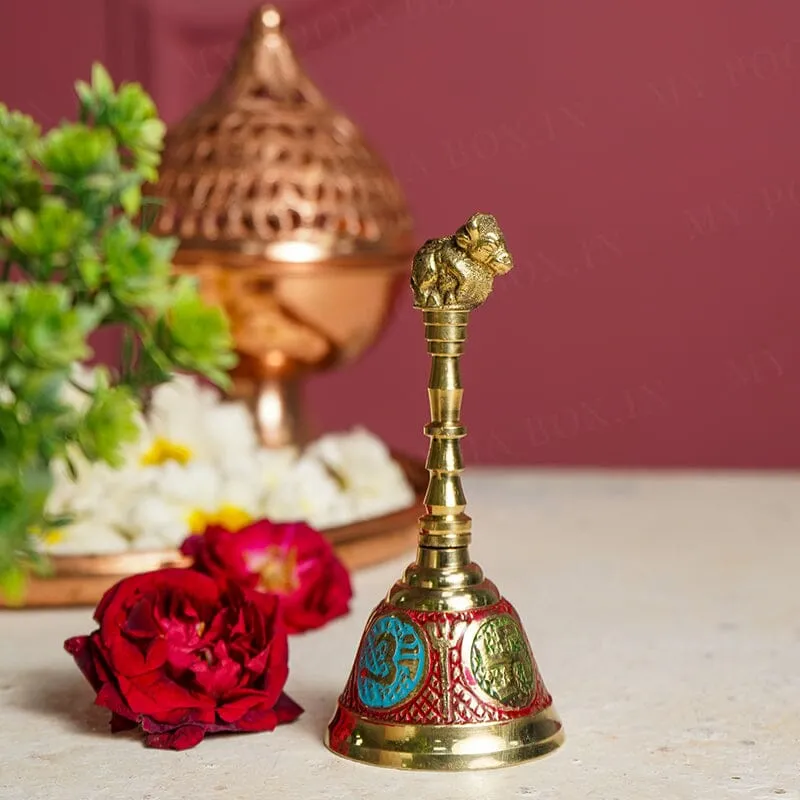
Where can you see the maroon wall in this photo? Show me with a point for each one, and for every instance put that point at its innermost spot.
(643, 159)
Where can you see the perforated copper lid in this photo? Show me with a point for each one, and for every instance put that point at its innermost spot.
(267, 167)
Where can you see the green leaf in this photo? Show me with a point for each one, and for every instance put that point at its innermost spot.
(197, 336)
(131, 200)
(37, 482)
(11, 439)
(23, 492)
(108, 424)
(19, 183)
(39, 563)
(90, 316)
(47, 331)
(101, 81)
(150, 210)
(6, 308)
(17, 127)
(14, 371)
(41, 390)
(128, 354)
(6, 316)
(76, 151)
(85, 94)
(151, 134)
(90, 270)
(138, 272)
(154, 366)
(47, 235)
(13, 582)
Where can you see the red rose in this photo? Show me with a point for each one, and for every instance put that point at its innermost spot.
(181, 656)
(291, 560)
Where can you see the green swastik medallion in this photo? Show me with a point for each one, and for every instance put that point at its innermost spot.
(501, 662)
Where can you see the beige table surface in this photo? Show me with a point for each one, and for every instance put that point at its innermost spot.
(663, 609)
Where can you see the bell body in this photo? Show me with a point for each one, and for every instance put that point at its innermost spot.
(444, 690)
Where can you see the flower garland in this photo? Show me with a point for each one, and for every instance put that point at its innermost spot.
(198, 463)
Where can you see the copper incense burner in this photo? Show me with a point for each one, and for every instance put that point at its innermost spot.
(291, 222)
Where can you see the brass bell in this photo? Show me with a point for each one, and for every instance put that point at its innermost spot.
(444, 677)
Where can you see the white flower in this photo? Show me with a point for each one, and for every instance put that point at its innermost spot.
(63, 492)
(198, 461)
(85, 536)
(192, 485)
(193, 416)
(367, 471)
(184, 498)
(157, 523)
(99, 491)
(271, 466)
(309, 492)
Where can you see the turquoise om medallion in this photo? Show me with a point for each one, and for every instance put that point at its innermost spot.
(392, 662)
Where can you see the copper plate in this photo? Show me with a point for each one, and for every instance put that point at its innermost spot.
(82, 580)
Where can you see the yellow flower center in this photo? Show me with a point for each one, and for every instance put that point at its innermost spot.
(163, 450)
(278, 573)
(230, 517)
(49, 537)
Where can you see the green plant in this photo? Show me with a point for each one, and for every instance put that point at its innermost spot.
(73, 260)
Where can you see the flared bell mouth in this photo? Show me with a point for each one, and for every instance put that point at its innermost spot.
(444, 747)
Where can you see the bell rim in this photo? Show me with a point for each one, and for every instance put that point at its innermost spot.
(464, 747)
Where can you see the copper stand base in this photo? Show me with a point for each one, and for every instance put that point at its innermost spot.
(277, 409)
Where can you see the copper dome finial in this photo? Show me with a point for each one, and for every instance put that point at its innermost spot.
(266, 160)
(266, 67)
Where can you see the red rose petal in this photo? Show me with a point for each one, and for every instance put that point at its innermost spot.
(258, 663)
(192, 545)
(109, 697)
(79, 647)
(156, 693)
(90, 661)
(176, 586)
(286, 709)
(140, 622)
(120, 723)
(183, 643)
(257, 720)
(235, 709)
(218, 553)
(221, 675)
(182, 738)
